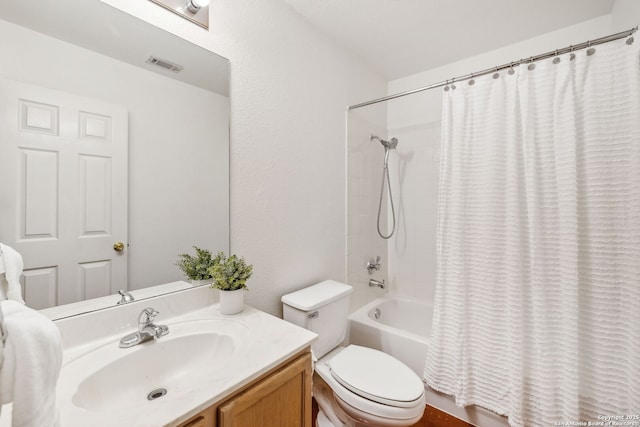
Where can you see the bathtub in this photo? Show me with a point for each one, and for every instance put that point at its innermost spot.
(401, 327)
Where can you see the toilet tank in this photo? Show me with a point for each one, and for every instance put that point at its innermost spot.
(322, 308)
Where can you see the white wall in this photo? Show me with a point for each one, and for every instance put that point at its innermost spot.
(415, 121)
(625, 15)
(289, 89)
(169, 166)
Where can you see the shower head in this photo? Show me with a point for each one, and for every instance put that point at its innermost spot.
(388, 146)
(392, 143)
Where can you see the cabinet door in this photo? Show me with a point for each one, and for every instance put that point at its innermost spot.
(203, 419)
(283, 399)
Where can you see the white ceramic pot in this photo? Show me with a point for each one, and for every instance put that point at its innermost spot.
(231, 302)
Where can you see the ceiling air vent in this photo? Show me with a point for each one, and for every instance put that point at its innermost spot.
(163, 63)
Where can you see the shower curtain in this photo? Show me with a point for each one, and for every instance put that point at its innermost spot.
(537, 310)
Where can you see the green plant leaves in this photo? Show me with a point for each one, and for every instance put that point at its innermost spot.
(230, 273)
(197, 267)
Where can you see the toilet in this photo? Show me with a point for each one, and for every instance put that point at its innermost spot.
(353, 385)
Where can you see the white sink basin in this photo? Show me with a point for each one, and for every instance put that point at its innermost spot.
(111, 378)
(166, 364)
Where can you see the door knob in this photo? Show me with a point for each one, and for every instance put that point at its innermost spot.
(118, 246)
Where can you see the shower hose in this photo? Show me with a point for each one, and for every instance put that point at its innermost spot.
(385, 176)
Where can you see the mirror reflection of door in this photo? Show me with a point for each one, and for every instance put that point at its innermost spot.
(66, 157)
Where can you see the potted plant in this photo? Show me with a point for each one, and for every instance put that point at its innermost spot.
(230, 275)
(196, 267)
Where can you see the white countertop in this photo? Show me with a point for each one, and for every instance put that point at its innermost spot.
(263, 342)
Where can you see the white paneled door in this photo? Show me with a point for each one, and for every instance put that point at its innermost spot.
(63, 192)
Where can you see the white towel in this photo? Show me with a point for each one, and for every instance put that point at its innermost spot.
(2, 339)
(11, 265)
(32, 362)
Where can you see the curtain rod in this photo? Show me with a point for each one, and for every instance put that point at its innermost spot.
(546, 55)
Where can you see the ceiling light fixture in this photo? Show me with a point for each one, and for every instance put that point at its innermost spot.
(196, 11)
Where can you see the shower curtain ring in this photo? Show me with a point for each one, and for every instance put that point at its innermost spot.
(471, 81)
(573, 55)
(531, 64)
(630, 35)
(511, 70)
(446, 85)
(453, 86)
(556, 60)
(590, 50)
(496, 74)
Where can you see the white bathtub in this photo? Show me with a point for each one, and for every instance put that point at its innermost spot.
(402, 329)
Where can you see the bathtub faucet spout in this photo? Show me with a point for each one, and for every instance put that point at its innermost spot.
(376, 283)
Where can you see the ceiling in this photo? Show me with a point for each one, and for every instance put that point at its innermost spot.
(403, 37)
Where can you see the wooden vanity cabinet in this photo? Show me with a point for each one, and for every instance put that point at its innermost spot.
(280, 398)
(203, 419)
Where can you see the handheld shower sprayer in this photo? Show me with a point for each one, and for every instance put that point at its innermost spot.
(388, 146)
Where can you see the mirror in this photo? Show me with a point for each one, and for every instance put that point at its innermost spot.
(80, 73)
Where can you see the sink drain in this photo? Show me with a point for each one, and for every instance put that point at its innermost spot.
(157, 393)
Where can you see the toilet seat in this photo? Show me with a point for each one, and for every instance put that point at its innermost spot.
(377, 376)
(363, 408)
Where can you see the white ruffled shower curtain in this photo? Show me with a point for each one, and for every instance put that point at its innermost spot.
(537, 311)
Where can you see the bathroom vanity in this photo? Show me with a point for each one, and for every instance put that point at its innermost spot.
(281, 397)
(248, 369)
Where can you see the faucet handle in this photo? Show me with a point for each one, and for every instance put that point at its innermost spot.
(147, 315)
(162, 331)
(374, 265)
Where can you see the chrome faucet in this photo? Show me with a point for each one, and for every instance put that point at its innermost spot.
(376, 283)
(126, 297)
(374, 265)
(147, 330)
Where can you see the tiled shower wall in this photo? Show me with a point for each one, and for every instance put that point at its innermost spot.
(414, 168)
(364, 174)
(408, 258)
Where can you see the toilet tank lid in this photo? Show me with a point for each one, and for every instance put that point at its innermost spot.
(317, 295)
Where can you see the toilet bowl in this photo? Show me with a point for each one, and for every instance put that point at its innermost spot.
(353, 385)
(372, 387)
